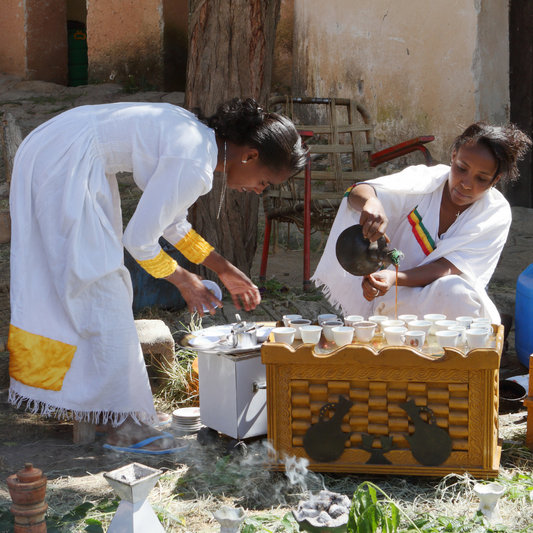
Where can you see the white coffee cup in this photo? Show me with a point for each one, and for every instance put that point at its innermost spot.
(447, 338)
(328, 325)
(481, 325)
(392, 324)
(484, 322)
(476, 338)
(297, 324)
(342, 335)
(465, 321)
(462, 336)
(364, 331)
(378, 320)
(352, 319)
(433, 318)
(420, 325)
(394, 335)
(445, 324)
(408, 318)
(326, 317)
(414, 339)
(288, 318)
(311, 334)
(285, 335)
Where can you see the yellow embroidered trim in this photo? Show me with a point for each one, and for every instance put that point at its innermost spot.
(38, 361)
(161, 266)
(194, 247)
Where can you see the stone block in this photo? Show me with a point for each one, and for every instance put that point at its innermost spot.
(157, 343)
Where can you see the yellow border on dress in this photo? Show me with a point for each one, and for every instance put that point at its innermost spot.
(38, 361)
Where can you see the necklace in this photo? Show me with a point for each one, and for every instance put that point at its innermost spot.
(449, 198)
(224, 177)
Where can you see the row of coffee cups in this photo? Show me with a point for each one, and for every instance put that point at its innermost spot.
(475, 331)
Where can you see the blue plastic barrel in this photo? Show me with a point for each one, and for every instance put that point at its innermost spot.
(524, 316)
(149, 291)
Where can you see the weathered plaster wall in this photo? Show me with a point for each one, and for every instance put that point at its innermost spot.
(125, 38)
(491, 61)
(283, 49)
(420, 67)
(46, 40)
(12, 38)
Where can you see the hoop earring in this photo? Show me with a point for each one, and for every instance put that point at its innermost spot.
(224, 186)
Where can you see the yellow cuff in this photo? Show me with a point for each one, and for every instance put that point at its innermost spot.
(161, 266)
(194, 247)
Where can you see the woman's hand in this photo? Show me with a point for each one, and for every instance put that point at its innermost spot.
(240, 287)
(373, 218)
(378, 284)
(194, 291)
(238, 284)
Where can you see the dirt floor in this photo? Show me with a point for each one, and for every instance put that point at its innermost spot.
(201, 479)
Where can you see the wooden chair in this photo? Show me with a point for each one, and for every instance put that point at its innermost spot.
(343, 134)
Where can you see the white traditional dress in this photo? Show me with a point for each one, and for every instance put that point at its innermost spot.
(73, 345)
(473, 243)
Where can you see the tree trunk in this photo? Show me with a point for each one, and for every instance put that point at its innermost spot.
(231, 48)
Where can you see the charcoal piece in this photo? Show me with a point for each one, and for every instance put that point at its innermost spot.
(336, 510)
(309, 513)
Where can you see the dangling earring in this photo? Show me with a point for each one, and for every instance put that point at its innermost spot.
(225, 178)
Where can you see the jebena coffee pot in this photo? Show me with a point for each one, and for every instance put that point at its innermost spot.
(360, 257)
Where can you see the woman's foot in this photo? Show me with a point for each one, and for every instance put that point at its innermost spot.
(163, 420)
(129, 433)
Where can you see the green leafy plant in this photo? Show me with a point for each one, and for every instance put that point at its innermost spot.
(58, 524)
(287, 524)
(368, 515)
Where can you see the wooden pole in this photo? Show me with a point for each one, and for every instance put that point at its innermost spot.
(11, 137)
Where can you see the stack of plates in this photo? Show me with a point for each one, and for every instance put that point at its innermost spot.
(186, 421)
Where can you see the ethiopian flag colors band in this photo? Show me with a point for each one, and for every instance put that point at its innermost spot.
(419, 231)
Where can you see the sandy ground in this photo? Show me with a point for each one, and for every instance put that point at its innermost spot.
(75, 471)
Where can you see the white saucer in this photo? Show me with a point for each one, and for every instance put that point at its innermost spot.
(187, 412)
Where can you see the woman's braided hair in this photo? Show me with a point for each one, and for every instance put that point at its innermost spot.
(244, 123)
(507, 144)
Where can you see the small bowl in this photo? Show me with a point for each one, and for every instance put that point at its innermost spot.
(263, 332)
(512, 396)
(203, 343)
